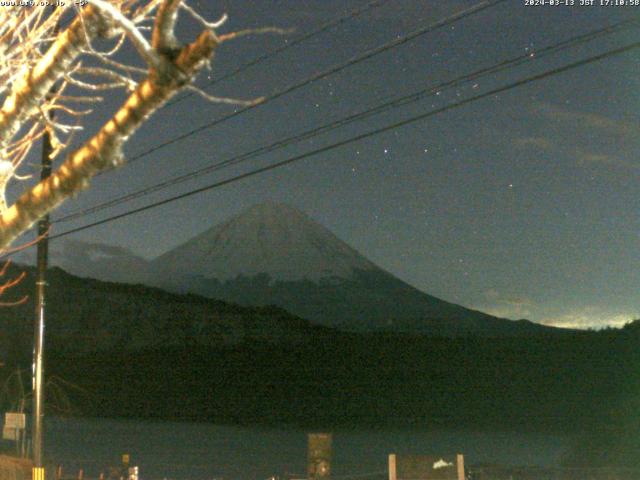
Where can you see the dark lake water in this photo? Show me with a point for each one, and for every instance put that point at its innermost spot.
(199, 451)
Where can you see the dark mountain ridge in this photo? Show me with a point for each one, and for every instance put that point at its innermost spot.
(85, 315)
(569, 383)
(138, 351)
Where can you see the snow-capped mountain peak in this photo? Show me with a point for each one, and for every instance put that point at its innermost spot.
(271, 238)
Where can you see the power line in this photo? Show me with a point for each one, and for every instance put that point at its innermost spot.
(363, 136)
(477, 8)
(411, 98)
(395, 103)
(323, 28)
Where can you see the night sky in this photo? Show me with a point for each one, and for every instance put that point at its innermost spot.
(523, 205)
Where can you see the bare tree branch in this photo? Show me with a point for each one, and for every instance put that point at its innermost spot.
(29, 91)
(103, 151)
(34, 58)
(130, 29)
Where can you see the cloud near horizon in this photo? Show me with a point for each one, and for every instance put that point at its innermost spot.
(605, 159)
(516, 307)
(541, 143)
(591, 317)
(584, 127)
(506, 306)
(588, 122)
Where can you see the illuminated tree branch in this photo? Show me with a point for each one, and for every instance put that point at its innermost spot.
(170, 68)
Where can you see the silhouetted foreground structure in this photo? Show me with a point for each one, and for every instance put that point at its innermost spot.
(426, 467)
(496, 472)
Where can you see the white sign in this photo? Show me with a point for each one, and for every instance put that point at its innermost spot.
(14, 420)
(9, 433)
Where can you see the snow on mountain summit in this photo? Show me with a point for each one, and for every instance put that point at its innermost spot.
(271, 238)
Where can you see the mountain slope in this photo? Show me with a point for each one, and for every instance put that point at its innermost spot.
(275, 254)
(86, 315)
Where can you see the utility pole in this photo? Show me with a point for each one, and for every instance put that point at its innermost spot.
(41, 283)
(38, 344)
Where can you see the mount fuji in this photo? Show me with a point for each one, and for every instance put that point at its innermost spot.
(273, 254)
(269, 238)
